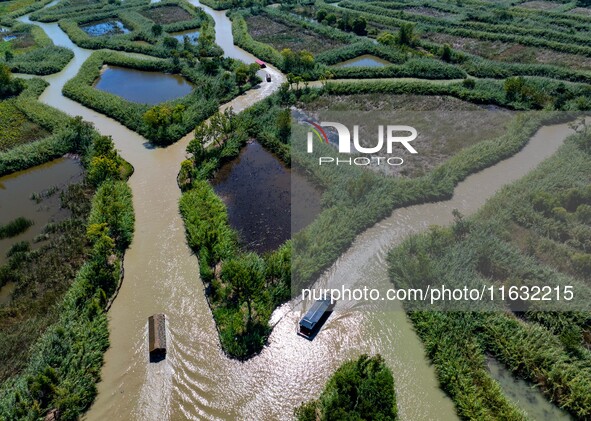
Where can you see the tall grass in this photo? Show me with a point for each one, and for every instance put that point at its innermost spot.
(15, 227)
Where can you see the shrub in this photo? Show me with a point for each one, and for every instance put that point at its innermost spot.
(361, 389)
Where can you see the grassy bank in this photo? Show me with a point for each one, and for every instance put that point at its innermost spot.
(54, 328)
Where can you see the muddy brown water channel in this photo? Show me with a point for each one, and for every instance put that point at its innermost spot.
(257, 190)
(197, 381)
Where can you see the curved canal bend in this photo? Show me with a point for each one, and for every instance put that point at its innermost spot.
(197, 381)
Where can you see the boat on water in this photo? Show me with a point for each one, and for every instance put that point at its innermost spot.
(157, 337)
(312, 321)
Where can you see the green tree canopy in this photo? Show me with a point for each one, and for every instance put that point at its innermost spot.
(361, 389)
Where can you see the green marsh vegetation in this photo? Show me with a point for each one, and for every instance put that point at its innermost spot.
(34, 133)
(53, 331)
(297, 59)
(31, 51)
(534, 232)
(443, 41)
(522, 47)
(11, 9)
(361, 389)
(148, 27)
(73, 9)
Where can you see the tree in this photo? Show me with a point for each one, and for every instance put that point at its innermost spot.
(209, 66)
(514, 87)
(284, 125)
(469, 83)
(361, 389)
(101, 262)
(171, 43)
(8, 85)
(160, 117)
(297, 62)
(157, 29)
(84, 134)
(321, 15)
(331, 19)
(102, 168)
(387, 38)
(360, 26)
(446, 53)
(216, 130)
(103, 146)
(246, 275)
(43, 386)
(406, 34)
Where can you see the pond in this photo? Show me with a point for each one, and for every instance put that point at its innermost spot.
(366, 60)
(525, 395)
(35, 194)
(257, 189)
(107, 27)
(192, 34)
(142, 86)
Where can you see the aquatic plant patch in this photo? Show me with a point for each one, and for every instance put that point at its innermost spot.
(15, 128)
(14, 227)
(167, 14)
(31, 51)
(282, 35)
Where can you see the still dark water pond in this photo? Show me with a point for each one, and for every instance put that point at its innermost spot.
(365, 60)
(261, 194)
(141, 86)
(191, 34)
(46, 181)
(108, 27)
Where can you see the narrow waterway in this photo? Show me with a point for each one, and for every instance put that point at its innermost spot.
(197, 381)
